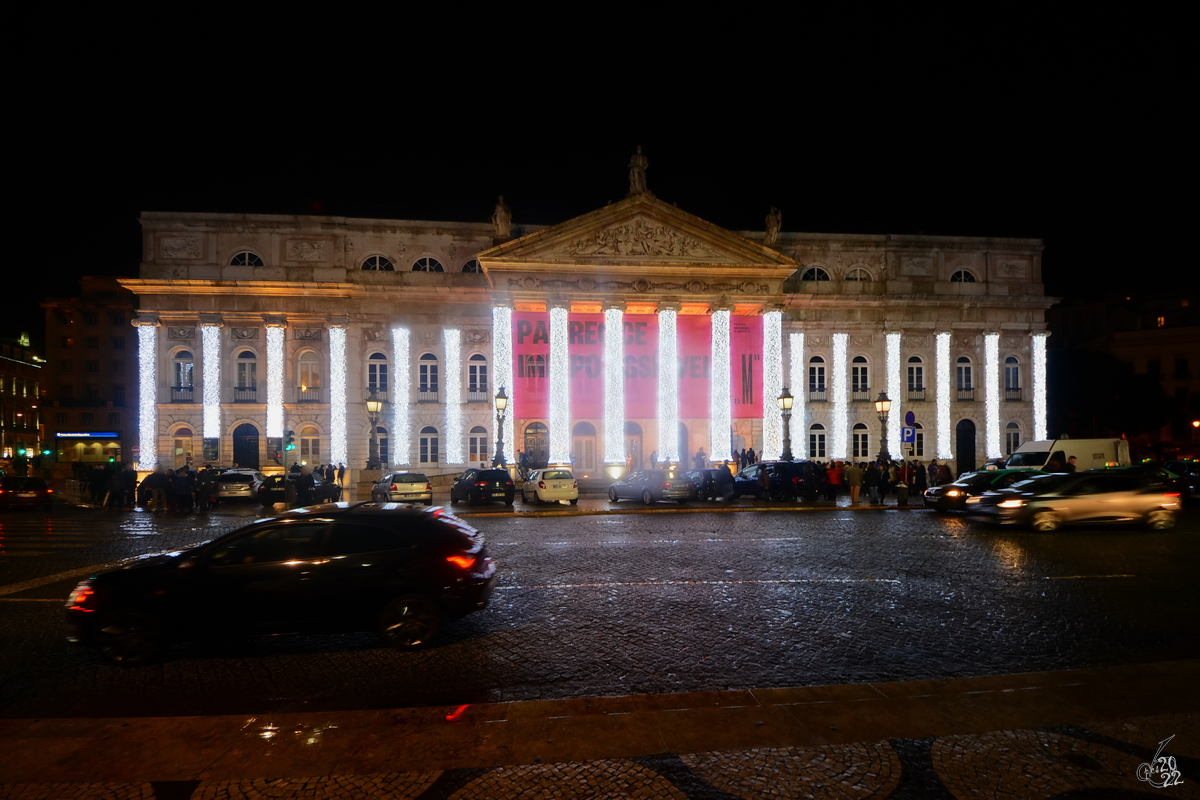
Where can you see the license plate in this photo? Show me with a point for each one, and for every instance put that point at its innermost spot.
(27, 494)
(498, 494)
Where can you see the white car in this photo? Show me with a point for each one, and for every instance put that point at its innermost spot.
(550, 486)
(239, 483)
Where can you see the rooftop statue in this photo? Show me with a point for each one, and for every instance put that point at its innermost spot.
(502, 220)
(774, 223)
(637, 172)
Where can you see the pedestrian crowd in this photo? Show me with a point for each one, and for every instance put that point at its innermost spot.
(902, 478)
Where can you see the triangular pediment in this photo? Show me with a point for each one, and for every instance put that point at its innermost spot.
(640, 232)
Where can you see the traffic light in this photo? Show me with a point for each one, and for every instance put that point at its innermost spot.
(20, 451)
(291, 442)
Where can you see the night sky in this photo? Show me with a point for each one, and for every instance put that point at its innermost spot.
(1023, 134)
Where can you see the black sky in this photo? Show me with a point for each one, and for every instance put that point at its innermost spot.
(1072, 136)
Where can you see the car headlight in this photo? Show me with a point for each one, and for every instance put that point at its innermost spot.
(953, 493)
(1012, 504)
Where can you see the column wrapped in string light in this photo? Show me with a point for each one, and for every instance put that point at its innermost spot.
(210, 348)
(147, 335)
(275, 336)
(337, 395)
(614, 386)
(720, 411)
(668, 387)
(401, 451)
(502, 369)
(839, 400)
(772, 385)
(892, 365)
(991, 394)
(454, 434)
(1038, 357)
(942, 366)
(799, 389)
(560, 388)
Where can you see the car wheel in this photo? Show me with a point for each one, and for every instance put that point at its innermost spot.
(337, 496)
(130, 637)
(1046, 521)
(575, 502)
(811, 497)
(612, 495)
(410, 622)
(647, 498)
(453, 498)
(429, 502)
(1160, 520)
(508, 501)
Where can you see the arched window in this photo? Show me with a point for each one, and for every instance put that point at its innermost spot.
(860, 379)
(183, 369)
(962, 276)
(427, 264)
(377, 373)
(814, 274)
(378, 264)
(246, 388)
(381, 435)
(477, 445)
(919, 440)
(1012, 378)
(916, 378)
(473, 266)
(428, 444)
(861, 441)
(182, 446)
(858, 274)
(816, 441)
(965, 379)
(427, 383)
(308, 373)
(1012, 438)
(245, 259)
(477, 377)
(816, 378)
(531, 365)
(310, 445)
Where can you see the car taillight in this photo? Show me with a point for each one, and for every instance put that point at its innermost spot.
(429, 487)
(464, 562)
(1171, 494)
(574, 484)
(81, 597)
(667, 485)
(541, 484)
(481, 483)
(49, 491)
(393, 489)
(795, 479)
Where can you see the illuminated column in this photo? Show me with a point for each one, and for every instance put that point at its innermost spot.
(1039, 386)
(720, 412)
(337, 394)
(799, 389)
(275, 337)
(991, 393)
(560, 388)
(942, 366)
(401, 409)
(837, 388)
(892, 365)
(668, 387)
(502, 369)
(454, 437)
(614, 386)
(772, 385)
(147, 334)
(210, 344)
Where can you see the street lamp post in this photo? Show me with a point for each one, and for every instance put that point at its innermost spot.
(785, 401)
(501, 406)
(374, 406)
(883, 405)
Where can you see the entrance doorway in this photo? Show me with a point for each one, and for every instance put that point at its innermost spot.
(633, 446)
(245, 445)
(583, 448)
(964, 445)
(537, 444)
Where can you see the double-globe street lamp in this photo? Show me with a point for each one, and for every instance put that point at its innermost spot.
(501, 406)
(785, 401)
(374, 406)
(883, 405)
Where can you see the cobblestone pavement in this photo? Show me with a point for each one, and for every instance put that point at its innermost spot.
(602, 604)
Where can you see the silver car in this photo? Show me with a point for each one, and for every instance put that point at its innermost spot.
(1095, 496)
(403, 487)
(238, 483)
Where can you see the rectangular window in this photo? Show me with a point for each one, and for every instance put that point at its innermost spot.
(184, 372)
(92, 343)
(816, 378)
(532, 366)
(916, 377)
(310, 375)
(858, 379)
(91, 318)
(91, 366)
(1181, 369)
(114, 418)
(1012, 376)
(1012, 440)
(247, 375)
(477, 378)
(377, 377)
(118, 395)
(60, 418)
(65, 365)
(816, 445)
(87, 418)
(862, 444)
(919, 444)
(118, 343)
(964, 377)
(118, 367)
(91, 392)
(477, 447)
(66, 391)
(116, 318)
(66, 342)
(429, 449)
(429, 377)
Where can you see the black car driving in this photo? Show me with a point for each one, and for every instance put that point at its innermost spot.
(275, 490)
(483, 486)
(342, 567)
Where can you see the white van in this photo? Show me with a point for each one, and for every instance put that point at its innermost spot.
(1088, 453)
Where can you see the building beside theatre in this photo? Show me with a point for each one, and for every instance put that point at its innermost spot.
(636, 331)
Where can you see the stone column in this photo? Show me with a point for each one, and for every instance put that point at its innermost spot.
(401, 398)
(943, 381)
(894, 391)
(991, 394)
(210, 377)
(799, 388)
(839, 418)
(560, 386)
(1037, 353)
(276, 333)
(452, 399)
(720, 410)
(502, 365)
(337, 394)
(772, 323)
(614, 383)
(668, 385)
(147, 333)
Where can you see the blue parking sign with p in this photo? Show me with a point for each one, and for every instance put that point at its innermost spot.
(908, 434)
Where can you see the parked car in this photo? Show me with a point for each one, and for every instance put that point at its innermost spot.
(483, 486)
(652, 485)
(788, 480)
(953, 496)
(236, 483)
(705, 481)
(274, 489)
(1094, 496)
(411, 569)
(550, 486)
(403, 487)
(16, 492)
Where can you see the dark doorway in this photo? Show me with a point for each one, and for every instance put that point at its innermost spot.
(633, 445)
(964, 446)
(537, 444)
(245, 445)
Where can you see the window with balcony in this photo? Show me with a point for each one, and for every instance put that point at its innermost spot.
(1012, 379)
(966, 387)
(377, 374)
(116, 318)
(118, 343)
(183, 368)
(309, 372)
(245, 389)
(860, 383)
(816, 379)
(916, 378)
(92, 342)
(427, 378)
(91, 318)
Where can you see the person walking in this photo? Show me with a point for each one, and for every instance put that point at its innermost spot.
(920, 479)
(944, 475)
(933, 472)
(305, 485)
(341, 475)
(854, 479)
(751, 456)
(834, 477)
(872, 480)
(700, 458)
(725, 482)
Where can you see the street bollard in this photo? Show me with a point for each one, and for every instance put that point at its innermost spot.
(901, 494)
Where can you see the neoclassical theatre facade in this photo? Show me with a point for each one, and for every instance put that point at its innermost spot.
(634, 332)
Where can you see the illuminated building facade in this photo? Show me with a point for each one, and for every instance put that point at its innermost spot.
(634, 332)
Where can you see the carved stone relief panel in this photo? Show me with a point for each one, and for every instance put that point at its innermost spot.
(307, 334)
(916, 340)
(965, 340)
(181, 334)
(641, 238)
(1012, 270)
(243, 333)
(818, 340)
(305, 250)
(640, 285)
(916, 266)
(181, 247)
(477, 336)
(1011, 342)
(861, 341)
(374, 334)
(427, 337)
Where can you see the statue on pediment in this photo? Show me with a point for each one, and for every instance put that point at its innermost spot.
(502, 220)
(637, 172)
(774, 223)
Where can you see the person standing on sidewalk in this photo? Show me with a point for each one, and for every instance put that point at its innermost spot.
(872, 478)
(341, 475)
(854, 479)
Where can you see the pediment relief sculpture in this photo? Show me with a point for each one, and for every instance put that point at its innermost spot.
(1012, 269)
(640, 285)
(641, 238)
